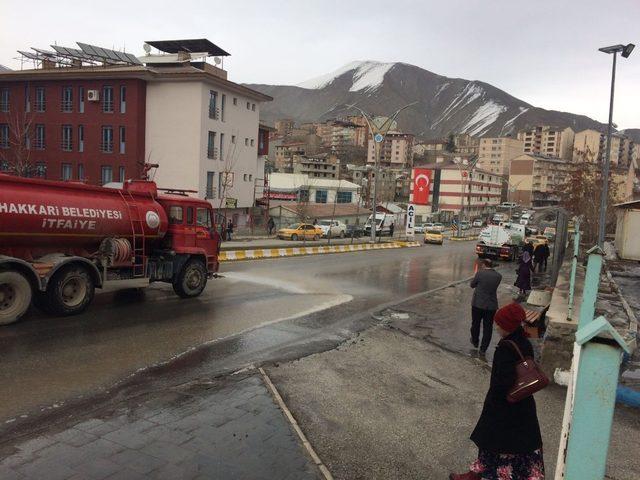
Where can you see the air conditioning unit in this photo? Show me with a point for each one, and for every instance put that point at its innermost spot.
(93, 95)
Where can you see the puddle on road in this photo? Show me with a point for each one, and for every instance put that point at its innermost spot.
(266, 281)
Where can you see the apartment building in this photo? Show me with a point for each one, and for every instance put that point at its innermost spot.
(537, 180)
(495, 154)
(284, 126)
(548, 141)
(451, 190)
(323, 165)
(593, 144)
(396, 150)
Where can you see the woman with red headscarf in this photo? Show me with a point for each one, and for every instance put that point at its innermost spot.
(507, 434)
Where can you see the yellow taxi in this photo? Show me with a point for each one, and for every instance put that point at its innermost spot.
(300, 231)
(537, 240)
(433, 236)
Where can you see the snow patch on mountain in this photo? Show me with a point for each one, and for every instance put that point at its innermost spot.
(483, 118)
(367, 75)
(441, 88)
(470, 93)
(508, 125)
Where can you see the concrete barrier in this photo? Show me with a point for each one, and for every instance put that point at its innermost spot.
(259, 253)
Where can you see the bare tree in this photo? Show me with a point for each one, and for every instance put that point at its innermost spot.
(581, 192)
(227, 179)
(17, 158)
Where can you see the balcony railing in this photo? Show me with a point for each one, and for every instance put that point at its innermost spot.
(39, 144)
(66, 145)
(66, 106)
(4, 106)
(40, 106)
(214, 112)
(106, 147)
(212, 153)
(107, 106)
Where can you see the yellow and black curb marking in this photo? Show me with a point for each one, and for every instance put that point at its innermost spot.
(463, 239)
(234, 255)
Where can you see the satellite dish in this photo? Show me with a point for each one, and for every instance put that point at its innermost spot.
(147, 48)
(217, 60)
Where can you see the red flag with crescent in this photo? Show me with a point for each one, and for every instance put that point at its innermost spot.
(421, 185)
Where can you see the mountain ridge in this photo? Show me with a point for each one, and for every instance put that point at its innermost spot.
(445, 104)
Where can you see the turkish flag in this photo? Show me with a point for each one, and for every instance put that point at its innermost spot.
(421, 185)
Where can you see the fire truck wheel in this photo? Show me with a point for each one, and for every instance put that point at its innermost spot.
(191, 280)
(15, 296)
(69, 291)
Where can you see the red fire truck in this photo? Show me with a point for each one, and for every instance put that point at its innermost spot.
(59, 241)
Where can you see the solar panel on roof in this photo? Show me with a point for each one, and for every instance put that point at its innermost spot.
(107, 55)
(30, 56)
(190, 45)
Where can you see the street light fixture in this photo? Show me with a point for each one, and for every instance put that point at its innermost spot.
(625, 51)
(378, 134)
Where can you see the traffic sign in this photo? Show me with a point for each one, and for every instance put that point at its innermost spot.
(411, 216)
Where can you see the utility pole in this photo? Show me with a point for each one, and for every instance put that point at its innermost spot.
(378, 134)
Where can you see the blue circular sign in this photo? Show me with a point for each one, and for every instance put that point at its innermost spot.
(378, 138)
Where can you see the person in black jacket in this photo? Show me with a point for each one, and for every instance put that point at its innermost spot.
(484, 304)
(507, 434)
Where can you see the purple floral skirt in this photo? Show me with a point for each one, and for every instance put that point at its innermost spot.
(509, 466)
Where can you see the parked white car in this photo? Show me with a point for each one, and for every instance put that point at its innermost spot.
(438, 227)
(332, 228)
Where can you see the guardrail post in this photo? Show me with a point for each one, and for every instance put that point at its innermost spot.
(594, 399)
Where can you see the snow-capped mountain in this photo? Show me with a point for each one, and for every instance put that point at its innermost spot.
(444, 105)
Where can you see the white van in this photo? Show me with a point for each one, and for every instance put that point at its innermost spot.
(383, 224)
(526, 218)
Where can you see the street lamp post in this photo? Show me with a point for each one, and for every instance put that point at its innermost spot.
(625, 50)
(378, 134)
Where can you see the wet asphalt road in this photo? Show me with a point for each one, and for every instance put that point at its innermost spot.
(299, 301)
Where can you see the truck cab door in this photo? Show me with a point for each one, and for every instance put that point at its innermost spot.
(190, 227)
(204, 237)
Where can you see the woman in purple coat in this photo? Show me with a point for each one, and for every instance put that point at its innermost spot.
(523, 282)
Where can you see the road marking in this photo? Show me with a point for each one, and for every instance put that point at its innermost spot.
(294, 424)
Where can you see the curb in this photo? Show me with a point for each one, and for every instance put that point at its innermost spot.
(463, 239)
(235, 255)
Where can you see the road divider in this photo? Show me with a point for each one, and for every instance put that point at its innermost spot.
(259, 253)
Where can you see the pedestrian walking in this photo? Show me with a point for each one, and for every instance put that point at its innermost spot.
(271, 225)
(546, 254)
(538, 257)
(523, 281)
(507, 434)
(391, 227)
(229, 230)
(484, 304)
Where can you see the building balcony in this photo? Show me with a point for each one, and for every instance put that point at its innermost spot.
(38, 144)
(66, 106)
(214, 113)
(67, 145)
(40, 107)
(212, 153)
(106, 147)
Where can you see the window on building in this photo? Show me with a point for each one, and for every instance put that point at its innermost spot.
(67, 138)
(80, 138)
(39, 141)
(304, 195)
(210, 190)
(4, 135)
(233, 139)
(235, 100)
(123, 99)
(220, 180)
(253, 107)
(107, 99)
(41, 170)
(213, 104)
(4, 100)
(245, 177)
(106, 146)
(123, 139)
(27, 98)
(246, 142)
(41, 103)
(122, 174)
(221, 146)
(211, 145)
(106, 174)
(67, 99)
(175, 215)
(81, 172)
(250, 177)
(67, 171)
(223, 101)
(252, 142)
(321, 196)
(81, 99)
(248, 105)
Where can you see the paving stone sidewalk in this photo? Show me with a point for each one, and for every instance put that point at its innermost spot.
(223, 429)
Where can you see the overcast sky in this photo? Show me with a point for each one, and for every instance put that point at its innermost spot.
(543, 52)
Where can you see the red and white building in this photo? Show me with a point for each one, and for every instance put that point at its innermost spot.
(445, 189)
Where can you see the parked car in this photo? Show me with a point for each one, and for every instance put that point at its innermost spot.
(478, 222)
(437, 226)
(434, 236)
(300, 231)
(420, 228)
(550, 233)
(355, 231)
(537, 239)
(508, 205)
(531, 230)
(464, 225)
(332, 228)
